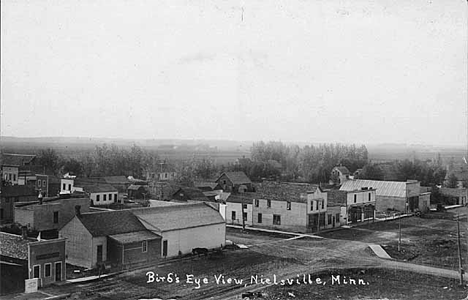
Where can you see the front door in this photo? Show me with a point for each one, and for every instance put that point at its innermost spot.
(164, 248)
(58, 271)
(99, 253)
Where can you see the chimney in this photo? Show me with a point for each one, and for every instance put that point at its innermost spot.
(24, 232)
(78, 211)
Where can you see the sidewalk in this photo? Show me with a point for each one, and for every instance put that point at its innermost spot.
(379, 251)
(297, 234)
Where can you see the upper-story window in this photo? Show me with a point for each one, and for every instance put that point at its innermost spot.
(323, 204)
(268, 203)
(355, 198)
(39, 183)
(288, 205)
(256, 202)
(369, 196)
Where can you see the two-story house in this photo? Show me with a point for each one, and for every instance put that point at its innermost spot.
(235, 182)
(358, 205)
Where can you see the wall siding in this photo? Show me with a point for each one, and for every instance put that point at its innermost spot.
(78, 243)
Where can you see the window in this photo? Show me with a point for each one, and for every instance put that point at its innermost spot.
(288, 205)
(233, 215)
(64, 186)
(144, 246)
(104, 197)
(323, 204)
(9, 177)
(329, 219)
(316, 205)
(337, 218)
(244, 215)
(259, 218)
(97, 198)
(355, 198)
(110, 197)
(56, 214)
(39, 183)
(244, 206)
(14, 177)
(115, 197)
(47, 270)
(276, 220)
(268, 203)
(44, 183)
(256, 202)
(369, 196)
(69, 187)
(36, 271)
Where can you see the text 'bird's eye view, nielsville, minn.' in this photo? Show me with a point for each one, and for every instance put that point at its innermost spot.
(172, 149)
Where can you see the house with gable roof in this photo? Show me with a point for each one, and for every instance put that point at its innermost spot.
(341, 173)
(112, 237)
(184, 227)
(235, 182)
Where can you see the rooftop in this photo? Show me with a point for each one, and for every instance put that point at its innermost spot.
(169, 218)
(343, 170)
(192, 193)
(14, 246)
(242, 198)
(284, 191)
(12, 159)
(383, 188)
(236, 177)
(111, 222)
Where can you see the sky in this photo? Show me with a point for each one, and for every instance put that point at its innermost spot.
(359, 71)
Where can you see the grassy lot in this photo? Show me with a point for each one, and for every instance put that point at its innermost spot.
(376, 284)
(431, 240)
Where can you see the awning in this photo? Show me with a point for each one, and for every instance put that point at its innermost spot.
(132, 237)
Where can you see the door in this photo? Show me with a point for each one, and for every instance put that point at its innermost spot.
(333, 221)
(164, 248)
(99, 253)
(58, 271)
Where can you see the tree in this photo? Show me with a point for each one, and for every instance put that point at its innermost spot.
(74, 166)
(452, 181)
(50, 160)
(372, 172)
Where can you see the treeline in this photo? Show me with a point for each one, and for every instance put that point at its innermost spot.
(428, 174)
(306, 164)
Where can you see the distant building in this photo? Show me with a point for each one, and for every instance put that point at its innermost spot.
(391, 195)
(138, 192)
(10, 195)
(49, 214)
(99, 192)
(12, 164)
(235, 182)
(359, 205)
(341, 173)
(456, 196)
(189, 194)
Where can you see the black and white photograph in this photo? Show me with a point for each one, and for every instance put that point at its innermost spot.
(233, 149)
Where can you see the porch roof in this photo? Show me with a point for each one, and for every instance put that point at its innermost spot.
(132, 237)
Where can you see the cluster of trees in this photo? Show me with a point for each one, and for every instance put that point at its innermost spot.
(103, 161)
(427, 174)
(308, 164)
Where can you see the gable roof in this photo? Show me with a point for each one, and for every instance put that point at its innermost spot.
(12, 159)
(383, 188)
(178, 216)
(136, 187)
(343, 170)
(284, 191)
(236, 177)
(111, 222)
(207, 184)
(192, 193)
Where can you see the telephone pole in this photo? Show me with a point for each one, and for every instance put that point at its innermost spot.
(460, 265)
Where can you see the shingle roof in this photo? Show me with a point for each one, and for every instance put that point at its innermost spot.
(383, 188)
(13, 246)
(343, 170)
(178, 216)
(284, 191)
(11, 159)
(111, 222)
(236, 177)
(192, 193)
(135, 187)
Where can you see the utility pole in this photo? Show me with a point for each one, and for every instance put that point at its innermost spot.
(399, 237)
(460, 266)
